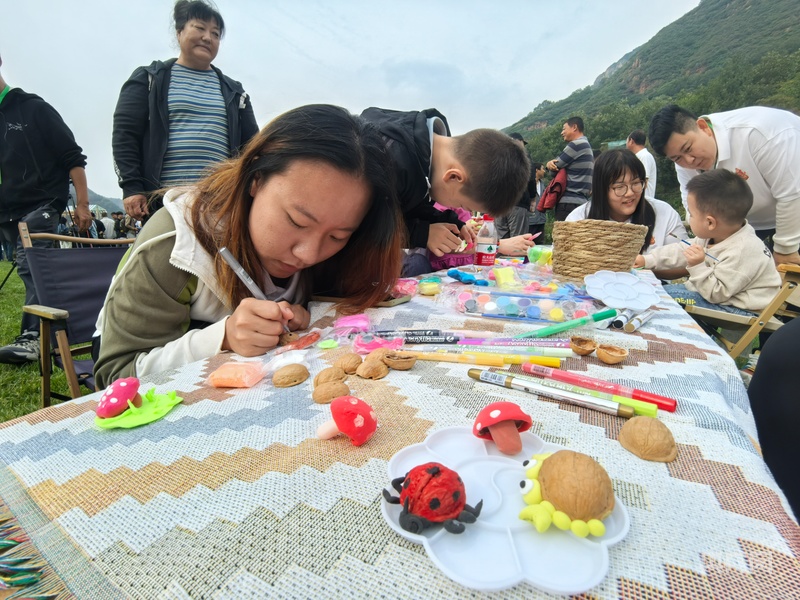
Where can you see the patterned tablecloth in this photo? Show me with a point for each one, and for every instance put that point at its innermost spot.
(232, 496)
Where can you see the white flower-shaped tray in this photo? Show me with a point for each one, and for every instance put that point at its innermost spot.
(621, 290)
(500, 550)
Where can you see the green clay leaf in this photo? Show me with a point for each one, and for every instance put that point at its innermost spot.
(154, 407)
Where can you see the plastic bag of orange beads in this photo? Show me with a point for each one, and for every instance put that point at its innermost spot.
(237, 375)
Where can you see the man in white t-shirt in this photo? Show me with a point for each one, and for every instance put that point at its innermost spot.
(636, 144)
(760, 144)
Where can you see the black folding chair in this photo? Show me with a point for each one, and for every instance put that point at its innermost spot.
(71, 284)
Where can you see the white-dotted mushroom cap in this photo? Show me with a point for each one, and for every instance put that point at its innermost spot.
(497, 412)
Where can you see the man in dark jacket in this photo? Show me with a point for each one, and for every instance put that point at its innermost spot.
(482, 170)
(141, 131)
(38, 157)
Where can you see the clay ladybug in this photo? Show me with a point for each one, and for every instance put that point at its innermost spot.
(432, 494)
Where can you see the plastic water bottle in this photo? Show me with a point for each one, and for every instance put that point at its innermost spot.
(486, 246)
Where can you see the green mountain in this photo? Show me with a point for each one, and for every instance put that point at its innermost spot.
(683, 56)
(722, 55)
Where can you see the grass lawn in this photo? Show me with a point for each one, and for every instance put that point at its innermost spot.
(19, 385)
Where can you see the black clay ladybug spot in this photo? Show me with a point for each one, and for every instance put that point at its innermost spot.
(433, 471)
(434, 504)
(456, 495)
(407, 483)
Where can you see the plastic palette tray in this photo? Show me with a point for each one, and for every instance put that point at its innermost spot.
(551, 308)
(499, 550)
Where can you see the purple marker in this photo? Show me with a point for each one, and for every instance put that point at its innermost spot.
(549, 343)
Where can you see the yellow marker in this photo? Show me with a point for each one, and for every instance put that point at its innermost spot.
(478, 358)
(486, 358)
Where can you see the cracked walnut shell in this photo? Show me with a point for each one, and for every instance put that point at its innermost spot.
(348, 363)
(378, 354)
(399, 361)
(330, 374)
(372, 369)
(611, 355)
(290, 375)
(649, 439)
(582, 346)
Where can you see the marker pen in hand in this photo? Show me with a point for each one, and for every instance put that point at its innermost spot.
(245, 278)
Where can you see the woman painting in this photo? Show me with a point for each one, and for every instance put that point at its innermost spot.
(314, 187)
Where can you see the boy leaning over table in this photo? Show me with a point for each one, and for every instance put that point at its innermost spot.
(730, 268)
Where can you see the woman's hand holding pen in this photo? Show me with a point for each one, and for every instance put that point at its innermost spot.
(301, 318)
(255, 325)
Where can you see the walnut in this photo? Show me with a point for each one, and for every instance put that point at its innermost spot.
(378, 354)
(326, 392)
(399, 361)
(582, 346)
(649, 439)
(372, 369)
(611, 355)
(290, 375)
(577, 485)
(348, 363)
(287, 338)
(329, 374)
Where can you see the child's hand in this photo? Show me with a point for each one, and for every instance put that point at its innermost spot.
(694, 255)
(639, 262)
(255, 325)
(468, 234)
(300, 316)
(517, 245)
(443, 238)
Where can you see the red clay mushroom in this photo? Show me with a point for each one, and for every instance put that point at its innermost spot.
(352, 417)
(502, 423)
(114, 400)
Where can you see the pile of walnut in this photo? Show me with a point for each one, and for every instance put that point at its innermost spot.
(329, 383)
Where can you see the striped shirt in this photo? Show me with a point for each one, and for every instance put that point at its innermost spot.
(198, 126)
(578, 159)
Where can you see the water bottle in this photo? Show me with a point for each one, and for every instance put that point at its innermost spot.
(486, 246)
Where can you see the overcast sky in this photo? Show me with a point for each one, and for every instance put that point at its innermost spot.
(482, 64)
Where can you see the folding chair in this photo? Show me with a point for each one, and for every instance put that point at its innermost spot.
(767, 320)
(71, 284)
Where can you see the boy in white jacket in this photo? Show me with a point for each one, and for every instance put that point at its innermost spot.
(729, 267)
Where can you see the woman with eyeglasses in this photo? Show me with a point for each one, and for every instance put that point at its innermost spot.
(618, 186)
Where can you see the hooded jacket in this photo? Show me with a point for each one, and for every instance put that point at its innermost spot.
(141, 125)
(408, 141)
(36, 155)
(167, 268)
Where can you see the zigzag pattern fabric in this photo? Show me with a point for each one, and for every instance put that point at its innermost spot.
(233, 496)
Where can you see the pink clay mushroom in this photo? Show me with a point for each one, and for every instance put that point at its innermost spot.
(114, 400)
(502, 422)
(352, 417)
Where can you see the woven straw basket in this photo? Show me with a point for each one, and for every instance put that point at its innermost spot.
(584, 247)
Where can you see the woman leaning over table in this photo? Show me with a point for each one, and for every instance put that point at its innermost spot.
(178, 117)
(314, 187)
(618, 185)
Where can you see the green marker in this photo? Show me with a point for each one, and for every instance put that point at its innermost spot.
(639, 407)
(559, 327)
